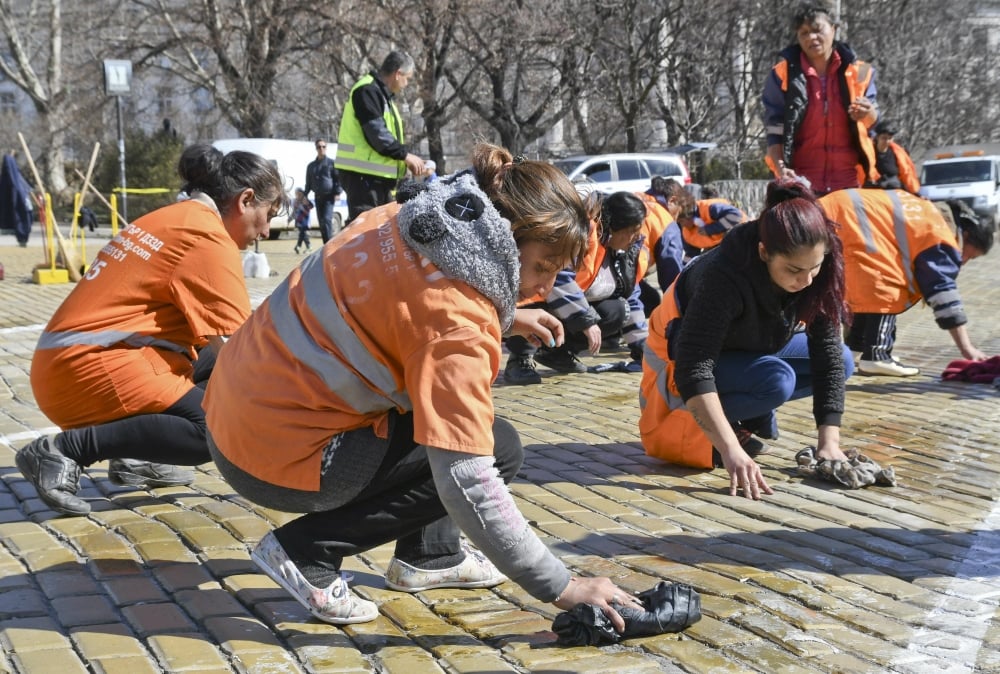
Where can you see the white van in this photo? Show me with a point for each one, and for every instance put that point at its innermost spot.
(292, 157)
(970, 175)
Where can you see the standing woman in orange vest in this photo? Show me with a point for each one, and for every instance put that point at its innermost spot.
(369, 407)
(819, 102)
(725, 350)
(116, 367)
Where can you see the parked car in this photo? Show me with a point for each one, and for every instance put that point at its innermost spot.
(624, 172)
(970, 175)
(291, 158)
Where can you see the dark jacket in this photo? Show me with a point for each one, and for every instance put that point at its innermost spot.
(322, 178)
(15, 195)
(729, 303)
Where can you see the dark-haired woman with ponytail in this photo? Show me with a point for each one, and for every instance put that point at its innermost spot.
(746, 327)
(115, 366)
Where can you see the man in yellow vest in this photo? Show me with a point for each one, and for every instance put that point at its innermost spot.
(371, 154)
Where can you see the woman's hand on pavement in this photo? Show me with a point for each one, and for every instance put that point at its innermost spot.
(745, 474)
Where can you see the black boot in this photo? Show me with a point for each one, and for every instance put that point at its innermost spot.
(560, 359)
(520, 370)
(55, 476)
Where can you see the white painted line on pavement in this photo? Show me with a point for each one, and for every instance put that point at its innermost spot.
(9, 440)
(960, 644)
(21, 328)
(257, 298)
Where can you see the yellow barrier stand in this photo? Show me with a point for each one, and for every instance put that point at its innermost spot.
(114, 215)
(51, 275)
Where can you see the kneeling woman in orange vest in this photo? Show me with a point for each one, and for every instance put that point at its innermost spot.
(116, 367)
(599, 302)
(705, 224)
(898, 249)
(359, 393)
(724, 348)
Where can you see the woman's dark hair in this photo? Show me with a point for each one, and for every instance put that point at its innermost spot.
(807, 11)
(792, 219)
(621, 210)
(537, 198)
(223, 177)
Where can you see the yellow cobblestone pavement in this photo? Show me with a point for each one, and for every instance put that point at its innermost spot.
(812, 579)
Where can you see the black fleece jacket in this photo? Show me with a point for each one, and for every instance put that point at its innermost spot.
(729, 303)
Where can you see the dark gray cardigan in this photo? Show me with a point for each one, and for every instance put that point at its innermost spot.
(729, 303)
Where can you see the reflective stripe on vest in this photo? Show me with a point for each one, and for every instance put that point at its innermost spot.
(899, 229)
(347, 382)
(105, 338)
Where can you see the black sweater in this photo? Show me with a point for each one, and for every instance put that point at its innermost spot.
(729, 303)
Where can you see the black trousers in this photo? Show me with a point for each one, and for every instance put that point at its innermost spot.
(873, 335)
(400, 502)
(175, 436)
(613, 312)
(365, 192)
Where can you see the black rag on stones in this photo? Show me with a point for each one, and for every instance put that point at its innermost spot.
(668, 607)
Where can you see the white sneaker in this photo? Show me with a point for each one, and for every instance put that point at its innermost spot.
(888, 368)
(474, 571)
(335, 604)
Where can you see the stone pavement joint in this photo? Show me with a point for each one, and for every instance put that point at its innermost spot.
(812, 579)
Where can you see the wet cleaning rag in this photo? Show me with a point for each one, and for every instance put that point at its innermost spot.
(668, 607)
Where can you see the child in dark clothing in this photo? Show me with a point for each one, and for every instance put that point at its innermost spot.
(300, 213)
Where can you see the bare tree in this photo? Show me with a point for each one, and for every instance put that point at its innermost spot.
(34, 40)
(937, 75)
(516, 68)
(236, 50)
(425, 29)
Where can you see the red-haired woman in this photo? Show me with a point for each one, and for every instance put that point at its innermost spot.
(746, 327)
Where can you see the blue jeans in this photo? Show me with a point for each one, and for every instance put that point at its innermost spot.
(324, 215)
(751, 385)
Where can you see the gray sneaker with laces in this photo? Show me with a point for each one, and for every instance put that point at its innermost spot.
(144, 474)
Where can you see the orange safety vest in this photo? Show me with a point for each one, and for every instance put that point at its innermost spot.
(883, 233)
(667, 429)
(908, 177)
(695, 236)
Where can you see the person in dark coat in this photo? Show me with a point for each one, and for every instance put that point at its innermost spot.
(15, 200)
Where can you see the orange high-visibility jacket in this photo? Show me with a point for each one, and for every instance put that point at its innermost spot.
(884, 233)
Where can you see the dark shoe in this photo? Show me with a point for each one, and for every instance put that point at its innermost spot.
(520, 370)
(56, 477)
(751, 445)
(560, 359)
(132, 473)
(613, 345)
(765, 426)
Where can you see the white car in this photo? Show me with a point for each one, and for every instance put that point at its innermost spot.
(623, 172)
(291, 157)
